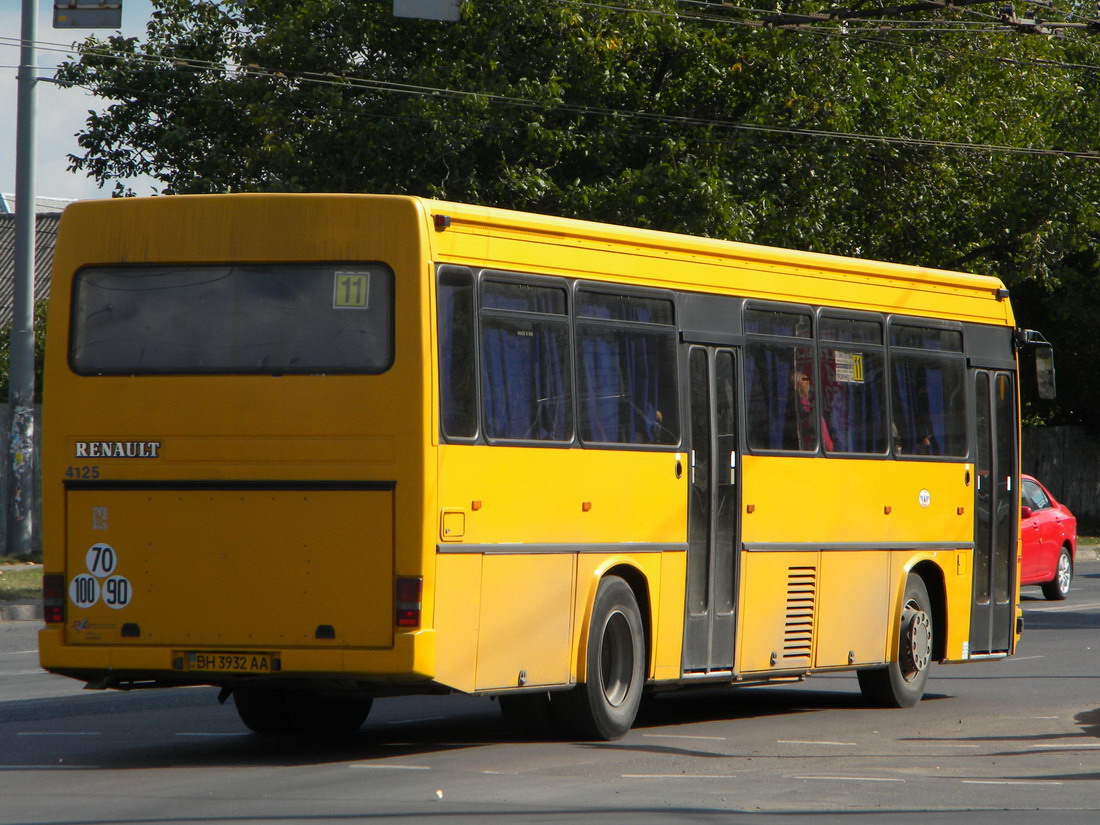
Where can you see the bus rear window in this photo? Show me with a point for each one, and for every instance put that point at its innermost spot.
(265, 319)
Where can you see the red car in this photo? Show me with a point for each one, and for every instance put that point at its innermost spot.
(1049, 533)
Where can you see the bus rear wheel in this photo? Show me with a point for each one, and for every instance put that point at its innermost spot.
(283, 711)
(901, 683)
(605, 704)
(530, 715)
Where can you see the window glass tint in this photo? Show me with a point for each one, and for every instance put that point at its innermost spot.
(623, 307)
(772, 322)
(627, 385)
(522, 297)
(1034, 497)
(847, 330)
(926, 338)
(257, 318)
(853, 401)
(781, 403)
(929, 410)
(1005, 529)
(525, 379)
(457, 361)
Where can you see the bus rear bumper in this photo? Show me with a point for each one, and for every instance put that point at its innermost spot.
(410, 660)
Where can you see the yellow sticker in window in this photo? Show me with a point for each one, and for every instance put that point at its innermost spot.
(351, 290)
(849, 367)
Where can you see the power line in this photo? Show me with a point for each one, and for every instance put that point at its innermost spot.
(392, 87)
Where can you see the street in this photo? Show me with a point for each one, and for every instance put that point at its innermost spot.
(991, 742)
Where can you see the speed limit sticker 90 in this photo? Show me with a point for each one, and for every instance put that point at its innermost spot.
(86, 589)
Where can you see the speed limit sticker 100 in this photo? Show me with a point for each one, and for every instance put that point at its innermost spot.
(99, 582)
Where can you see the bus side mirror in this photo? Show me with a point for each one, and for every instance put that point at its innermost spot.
(1044, 371)
(1038, 348)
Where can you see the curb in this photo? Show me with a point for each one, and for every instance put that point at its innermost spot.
(20, 611)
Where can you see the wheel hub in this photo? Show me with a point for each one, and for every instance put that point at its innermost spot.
(916, 647)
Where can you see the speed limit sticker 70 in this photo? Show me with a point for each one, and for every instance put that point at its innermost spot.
(86, 589)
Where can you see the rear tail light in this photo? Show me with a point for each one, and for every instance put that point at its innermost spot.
(408, 601)
(53, 598)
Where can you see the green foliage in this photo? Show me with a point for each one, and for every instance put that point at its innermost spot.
(39, 352)
(632, 117)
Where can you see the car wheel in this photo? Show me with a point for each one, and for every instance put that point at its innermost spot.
(1058, 588)
(901, 683)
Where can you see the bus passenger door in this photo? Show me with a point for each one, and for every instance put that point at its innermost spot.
(996, 512)
(713, 511)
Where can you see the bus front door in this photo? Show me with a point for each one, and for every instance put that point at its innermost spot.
(996, 513)
(713, 512)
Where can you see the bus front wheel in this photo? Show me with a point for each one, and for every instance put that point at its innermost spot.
(901, 683)
(604, 706)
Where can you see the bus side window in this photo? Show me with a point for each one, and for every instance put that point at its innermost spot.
(853, 385)
(781, 399)
(457, 362)
(626, 370)
(526, 379)
(929, 412)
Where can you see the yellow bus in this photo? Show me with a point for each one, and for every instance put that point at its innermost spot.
(319, 448)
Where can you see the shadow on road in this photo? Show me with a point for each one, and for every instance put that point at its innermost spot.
(143, 730)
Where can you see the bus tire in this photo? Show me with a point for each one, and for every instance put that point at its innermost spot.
(303, 713)
(900, 684)
(530, 715)
(605, 704)
(263, 711)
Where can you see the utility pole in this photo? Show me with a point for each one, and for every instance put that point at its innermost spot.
(21, 365)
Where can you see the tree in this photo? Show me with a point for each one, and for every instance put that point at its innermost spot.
(39, 352)
(639, 117)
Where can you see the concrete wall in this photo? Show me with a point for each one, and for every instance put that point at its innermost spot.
(1067, 460)
(6, 492)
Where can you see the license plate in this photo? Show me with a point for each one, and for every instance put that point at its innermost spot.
(228, 662)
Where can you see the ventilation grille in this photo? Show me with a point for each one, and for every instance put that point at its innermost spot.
(798, 634)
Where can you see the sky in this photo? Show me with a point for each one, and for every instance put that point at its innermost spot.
(61, 112)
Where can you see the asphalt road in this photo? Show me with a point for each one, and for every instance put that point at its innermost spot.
(999, 742)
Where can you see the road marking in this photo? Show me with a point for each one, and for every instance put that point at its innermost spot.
(848, 778)
(1029, 717)
(1022, 658)
(1010, 782)
(17, 652)
(415, 721)
(197, 733)
(811, 742)
(58, 733)
(679, 776)
(38, 672)
(394, 767)
(683, 736)
(1071, 747)
(1075, 606)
